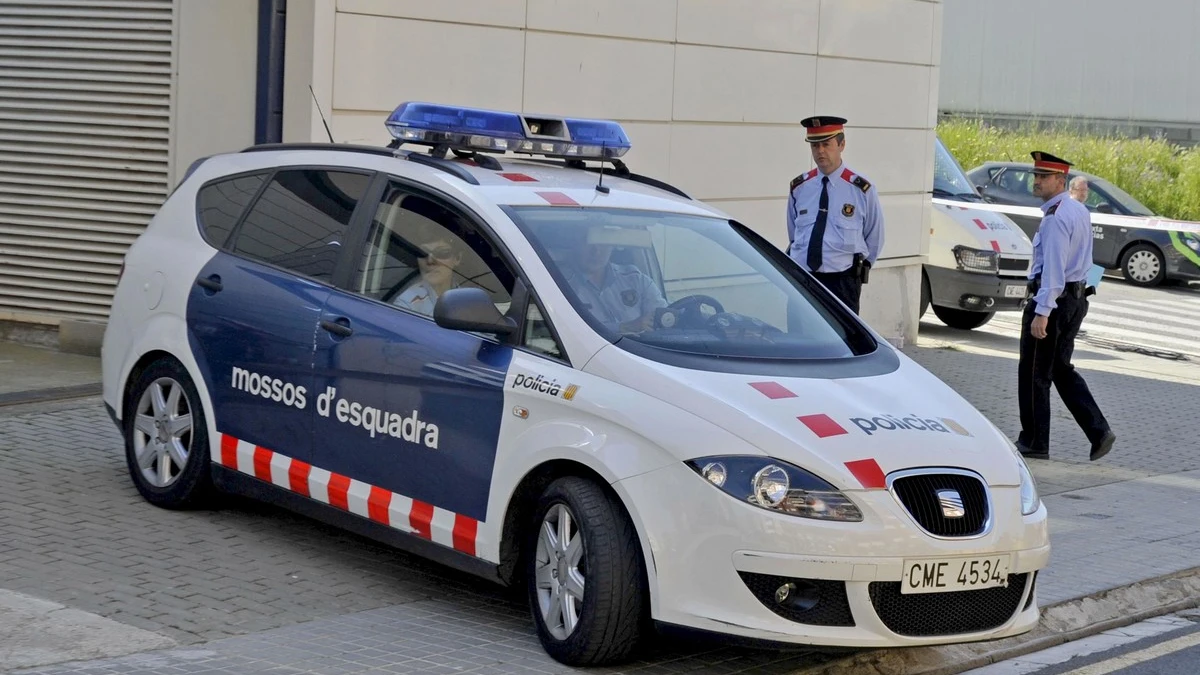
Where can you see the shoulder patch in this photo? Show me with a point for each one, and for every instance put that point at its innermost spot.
(855, 180)
(801, 178)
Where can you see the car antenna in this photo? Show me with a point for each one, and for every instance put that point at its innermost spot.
(600, 187)
(314, 96)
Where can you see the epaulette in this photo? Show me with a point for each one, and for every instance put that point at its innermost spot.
(801, 178)
(1050, 211)
(856, 180)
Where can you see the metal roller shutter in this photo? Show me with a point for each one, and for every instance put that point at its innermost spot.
(85, 117)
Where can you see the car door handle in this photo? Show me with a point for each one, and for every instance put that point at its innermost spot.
(340, 327)
(212, 283)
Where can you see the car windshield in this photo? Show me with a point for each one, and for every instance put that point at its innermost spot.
(691, 284)
(948, 177)
(1135, 207)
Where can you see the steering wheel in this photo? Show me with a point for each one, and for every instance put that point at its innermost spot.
(694, 311)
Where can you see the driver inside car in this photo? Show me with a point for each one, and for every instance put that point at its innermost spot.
(622, 297)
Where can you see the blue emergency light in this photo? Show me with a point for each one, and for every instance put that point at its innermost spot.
(499, 131)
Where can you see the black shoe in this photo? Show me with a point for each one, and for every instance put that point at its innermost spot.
(1101, 447)
(1029, 453)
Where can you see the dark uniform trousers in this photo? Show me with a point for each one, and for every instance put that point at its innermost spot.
(1049, 360)
(846, 285)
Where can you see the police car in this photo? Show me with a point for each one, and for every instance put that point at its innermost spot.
(494, 345)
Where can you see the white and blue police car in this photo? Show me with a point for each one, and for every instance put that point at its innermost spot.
(501, 349)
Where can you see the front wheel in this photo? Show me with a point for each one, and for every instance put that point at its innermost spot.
(584, 575)
(1143, 265)
(166, 438)
(961, 318)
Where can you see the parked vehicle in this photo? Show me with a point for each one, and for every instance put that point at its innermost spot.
(1146, 257)
(978, 260)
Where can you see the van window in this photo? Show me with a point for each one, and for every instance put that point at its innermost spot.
(300, 220)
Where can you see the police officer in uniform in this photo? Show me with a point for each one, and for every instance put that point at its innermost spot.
(1062, 257)
(834, 221)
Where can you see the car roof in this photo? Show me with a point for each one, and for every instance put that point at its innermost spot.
(500, 179)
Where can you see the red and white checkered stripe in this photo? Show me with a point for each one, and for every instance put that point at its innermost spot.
(368, 501)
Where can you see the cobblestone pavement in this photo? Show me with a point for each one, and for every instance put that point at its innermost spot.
(250, 588)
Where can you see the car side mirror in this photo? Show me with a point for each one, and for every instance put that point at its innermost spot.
(471, 309)
(1104, 208)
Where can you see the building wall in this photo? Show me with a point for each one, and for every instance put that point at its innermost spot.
(1075, 60)
(215, 66)
(711, 92)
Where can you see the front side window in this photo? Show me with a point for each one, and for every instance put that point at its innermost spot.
(300, 220)
(689, 284)
(418, 249)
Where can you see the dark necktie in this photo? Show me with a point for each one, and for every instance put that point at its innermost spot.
(818, 233)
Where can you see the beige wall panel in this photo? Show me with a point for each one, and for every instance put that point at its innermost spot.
(872, 94)
(380, 63)
(215, 100)
(598, 77)
(904, 218)
(641, 19)
(720, 161)
(892, 159)
(884, 30)
(715, 84)
(509, 13)
(773, 25)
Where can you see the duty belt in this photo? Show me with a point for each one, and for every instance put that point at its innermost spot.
(1075, 289)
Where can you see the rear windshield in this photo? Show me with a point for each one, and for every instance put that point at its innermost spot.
(699, 285)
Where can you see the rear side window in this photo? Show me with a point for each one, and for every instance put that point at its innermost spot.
(220, 204)
(300, 220)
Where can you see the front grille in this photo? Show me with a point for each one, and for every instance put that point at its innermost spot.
(950, 613)
(919, 494)
(830, 609)
(1014, 264)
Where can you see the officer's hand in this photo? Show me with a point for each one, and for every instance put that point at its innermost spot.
(1038, 329)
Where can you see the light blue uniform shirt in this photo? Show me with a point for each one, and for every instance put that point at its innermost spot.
(626, 294)
(1062, 249)
(854, 225)
(420, 298)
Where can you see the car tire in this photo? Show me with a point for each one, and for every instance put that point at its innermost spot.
(166, 438)
(607, 610)
(926, 295)
(1144, 265)
(961, 318)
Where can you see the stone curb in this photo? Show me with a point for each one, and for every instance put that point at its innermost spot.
(1060, 623)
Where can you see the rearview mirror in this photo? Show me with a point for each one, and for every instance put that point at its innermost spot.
(471, 309)
(1104, 208)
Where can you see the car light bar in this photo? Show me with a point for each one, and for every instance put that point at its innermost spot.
(499, 131)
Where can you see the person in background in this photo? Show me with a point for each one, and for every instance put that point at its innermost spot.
(834, 221)
(1062, 257)
(1079, 189)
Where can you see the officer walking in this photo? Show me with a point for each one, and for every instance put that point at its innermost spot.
(1062, 257)
(834, 221)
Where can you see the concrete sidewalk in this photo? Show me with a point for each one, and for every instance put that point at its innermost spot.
(1127, 520)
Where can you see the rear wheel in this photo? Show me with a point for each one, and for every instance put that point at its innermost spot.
(1144, 265)
(166, 438)
(961, 318)
(584, 575)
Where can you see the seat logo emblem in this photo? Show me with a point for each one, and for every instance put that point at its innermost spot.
(952, 503)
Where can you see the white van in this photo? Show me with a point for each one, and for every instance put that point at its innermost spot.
(978, 260)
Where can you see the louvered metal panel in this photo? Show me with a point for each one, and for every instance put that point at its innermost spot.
(85, 118)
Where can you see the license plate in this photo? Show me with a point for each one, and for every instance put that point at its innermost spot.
(954, 574)
(1014, 291)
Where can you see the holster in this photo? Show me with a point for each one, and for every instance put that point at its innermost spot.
(862, 268)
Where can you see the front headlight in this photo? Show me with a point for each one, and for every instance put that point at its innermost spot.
(1029, 494)
(776, 486)
(976, 260)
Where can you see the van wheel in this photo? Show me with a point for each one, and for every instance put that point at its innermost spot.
(961, 318)
(166, 438)
(1143, 265)
(926, 295)
(584, 575)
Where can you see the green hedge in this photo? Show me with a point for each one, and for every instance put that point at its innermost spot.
(1160, 175)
